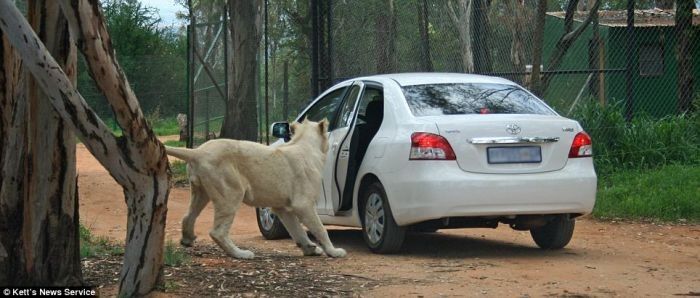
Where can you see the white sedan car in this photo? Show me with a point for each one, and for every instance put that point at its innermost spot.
(429, 151)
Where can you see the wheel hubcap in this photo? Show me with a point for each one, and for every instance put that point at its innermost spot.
(267, 218)
(374, 218)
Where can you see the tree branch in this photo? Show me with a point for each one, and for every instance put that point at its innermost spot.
(565, 42)
(87, 26)
(64, 97)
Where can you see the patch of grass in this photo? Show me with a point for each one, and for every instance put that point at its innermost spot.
(166, 127)
(174, 256)
(178, 169)
(92, 246)
(669, 193)
(174, 143)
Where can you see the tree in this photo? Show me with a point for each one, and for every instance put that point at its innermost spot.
(480, 36)
(136, 160)
(568, 38)
(386, 37)
(426, 63)
(538, 43)
(39, 203)
(240, 120)
(507, 17)
(684, 54)
(460, 12)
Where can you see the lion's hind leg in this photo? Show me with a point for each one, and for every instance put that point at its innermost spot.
(198, 200)
(291, 223)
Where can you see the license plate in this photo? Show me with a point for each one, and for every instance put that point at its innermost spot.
(522, 154)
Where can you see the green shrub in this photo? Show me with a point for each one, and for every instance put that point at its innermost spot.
(643, 143)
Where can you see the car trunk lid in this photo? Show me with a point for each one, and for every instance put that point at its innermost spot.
(508, 143)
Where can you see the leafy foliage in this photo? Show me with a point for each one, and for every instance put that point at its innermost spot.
(153, 57)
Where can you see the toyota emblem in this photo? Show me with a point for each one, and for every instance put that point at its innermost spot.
(513, 129)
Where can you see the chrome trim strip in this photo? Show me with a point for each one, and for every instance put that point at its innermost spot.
(513, 140)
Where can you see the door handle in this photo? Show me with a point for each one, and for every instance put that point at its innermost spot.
(334, 147)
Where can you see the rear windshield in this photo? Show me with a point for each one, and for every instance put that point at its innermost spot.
(471, 98)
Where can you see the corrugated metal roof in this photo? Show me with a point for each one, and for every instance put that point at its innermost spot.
(642, 18)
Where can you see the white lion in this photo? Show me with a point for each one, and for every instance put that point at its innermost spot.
(286, 178)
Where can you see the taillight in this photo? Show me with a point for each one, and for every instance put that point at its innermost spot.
(582, 146)
(428, 146)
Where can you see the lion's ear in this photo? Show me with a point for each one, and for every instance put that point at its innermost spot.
(323, 126)
(293, 127)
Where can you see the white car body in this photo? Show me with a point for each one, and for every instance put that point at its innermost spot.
(425, 190)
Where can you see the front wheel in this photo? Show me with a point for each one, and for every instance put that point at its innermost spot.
(555, 234)
(270, 226)
(380, 231)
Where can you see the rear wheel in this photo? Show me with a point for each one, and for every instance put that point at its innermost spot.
(270, 226)
(380, 231)
(555, 234)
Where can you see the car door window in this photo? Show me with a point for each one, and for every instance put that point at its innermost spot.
(371, 94)
(326, 107)
(345, 116)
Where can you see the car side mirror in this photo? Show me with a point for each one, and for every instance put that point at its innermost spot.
(281, 130)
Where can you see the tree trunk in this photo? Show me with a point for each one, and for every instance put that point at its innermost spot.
(480, 37)
(426, 63)
(13, 130)
(136, 160)
(240, 121)
(45, 221)
(684, 29)
(460, 14)
(386, 38)
(285, 92)
(538, 44)
(50, 237)
(517, 16)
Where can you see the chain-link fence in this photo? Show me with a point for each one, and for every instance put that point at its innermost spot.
(596, 62)
(208, 71)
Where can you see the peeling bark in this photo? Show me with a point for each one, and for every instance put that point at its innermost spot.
(50, 237)
(13, 107)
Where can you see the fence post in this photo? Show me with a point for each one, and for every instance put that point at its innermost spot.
(285, 99)
(629, 103)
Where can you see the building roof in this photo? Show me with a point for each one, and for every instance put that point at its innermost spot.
(642, 18)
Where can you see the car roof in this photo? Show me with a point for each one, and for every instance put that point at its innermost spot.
(422, 78)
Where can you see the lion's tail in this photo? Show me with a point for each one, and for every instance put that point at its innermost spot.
(182, 153)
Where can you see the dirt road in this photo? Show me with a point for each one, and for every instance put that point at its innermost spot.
(604, 259)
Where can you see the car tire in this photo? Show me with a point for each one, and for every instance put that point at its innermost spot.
(556, 234)
(379, 229)
(270, 226)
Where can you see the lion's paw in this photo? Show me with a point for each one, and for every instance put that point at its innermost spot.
(336, 252)
(243, 254)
